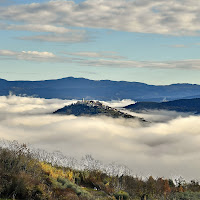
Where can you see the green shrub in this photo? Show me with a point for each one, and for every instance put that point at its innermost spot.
(186, 196)
(78, 192)
(61, 180)
(77, 180)
(69, 185)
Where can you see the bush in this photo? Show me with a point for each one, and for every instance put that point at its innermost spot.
(121, 195)
(77, 180)
(186, 196)
(61, 180)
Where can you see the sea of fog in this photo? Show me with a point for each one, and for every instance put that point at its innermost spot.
(168, 146)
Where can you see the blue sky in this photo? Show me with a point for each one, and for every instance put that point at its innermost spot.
(155, 42)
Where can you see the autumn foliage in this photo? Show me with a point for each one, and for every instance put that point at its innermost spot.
(24, 177)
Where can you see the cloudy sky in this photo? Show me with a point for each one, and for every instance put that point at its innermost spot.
(151, 41)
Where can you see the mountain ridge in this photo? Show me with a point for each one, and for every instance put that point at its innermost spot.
(71, 77)
(78, 88)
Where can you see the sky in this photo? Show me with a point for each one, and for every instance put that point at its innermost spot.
(151, 41)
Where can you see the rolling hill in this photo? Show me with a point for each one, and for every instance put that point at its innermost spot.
(181, 105)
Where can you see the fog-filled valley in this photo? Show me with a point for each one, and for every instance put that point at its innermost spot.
(167, 146)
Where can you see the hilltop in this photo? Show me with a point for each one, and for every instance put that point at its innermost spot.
(93, 108)
(181, 105)
(106, 90)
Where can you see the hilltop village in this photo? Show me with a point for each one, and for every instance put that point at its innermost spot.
(92, 103)
(91, 108)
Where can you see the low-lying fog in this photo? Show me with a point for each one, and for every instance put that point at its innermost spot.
(169, 146)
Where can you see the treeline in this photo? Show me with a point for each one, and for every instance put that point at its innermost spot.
(23, 176)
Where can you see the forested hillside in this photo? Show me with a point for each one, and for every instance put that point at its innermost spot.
(24, 176)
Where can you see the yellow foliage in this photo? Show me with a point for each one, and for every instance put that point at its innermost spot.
(55, 173)
(107, 184)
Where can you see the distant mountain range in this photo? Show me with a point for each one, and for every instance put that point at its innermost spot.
(78, 88)
(93, 108)
(182, 105)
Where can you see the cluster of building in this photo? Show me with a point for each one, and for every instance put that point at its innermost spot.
(91, 103)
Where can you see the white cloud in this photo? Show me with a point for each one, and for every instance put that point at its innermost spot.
(160, 149)
(33, 53)
(71, 37)
(172, 17)
(95, 61)
(28, 55)
(37, 28)
(158, 115)
(178, 46)
(179, 64)
(39, 54)
(92, 54)
(53, 33)
(183, 45)
(30, 105)
(118, 104)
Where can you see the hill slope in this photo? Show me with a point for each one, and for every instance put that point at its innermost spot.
(24, 177)
(78, 88)
(93, 108)
(181, 105)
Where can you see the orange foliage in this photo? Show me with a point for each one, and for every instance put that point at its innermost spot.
(180, 189)
(166, 187)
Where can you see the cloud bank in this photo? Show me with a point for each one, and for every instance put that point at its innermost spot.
(162, 149)
(172, 17)
(158, 115)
